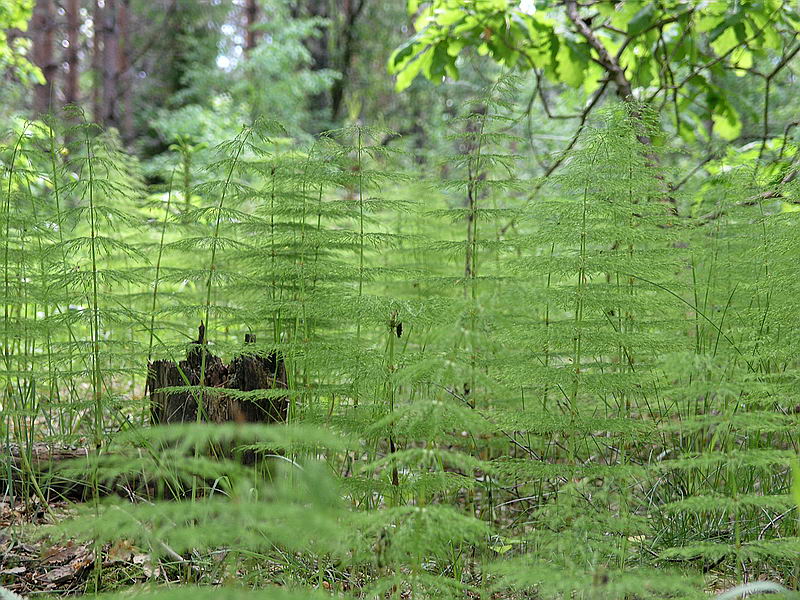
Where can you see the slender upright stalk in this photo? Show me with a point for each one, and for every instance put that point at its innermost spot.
(94, 304)
(157, 277)
(360, 168)
(214, 245)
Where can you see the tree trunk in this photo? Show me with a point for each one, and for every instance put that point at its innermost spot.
(126, 79)
(42, 28)
(318, 49)
(97, 61)
(110, 106)
(72, 90)
(251, 19)
(346, 41)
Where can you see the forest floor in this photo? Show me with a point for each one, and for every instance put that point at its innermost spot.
(32, 563)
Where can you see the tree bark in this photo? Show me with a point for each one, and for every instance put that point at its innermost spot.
(42, 29)
(246, 373)
(126, 79)
(317, 46)
(251, 19)
(110, 106)
(615, 72)
(97, 61)
(347, 42)
(72, 90)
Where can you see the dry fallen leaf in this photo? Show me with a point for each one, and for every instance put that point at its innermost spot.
(83, 557)
(148, 567)
(121, 551)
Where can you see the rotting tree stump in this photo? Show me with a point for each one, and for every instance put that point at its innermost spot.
(246, 373)
(55, 466)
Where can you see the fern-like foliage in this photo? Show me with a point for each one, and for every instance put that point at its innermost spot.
(598, 401)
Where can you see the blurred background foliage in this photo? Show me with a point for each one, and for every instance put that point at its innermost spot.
(720, 74)
(592, 394)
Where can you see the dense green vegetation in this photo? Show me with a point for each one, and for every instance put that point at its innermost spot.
(525, 358)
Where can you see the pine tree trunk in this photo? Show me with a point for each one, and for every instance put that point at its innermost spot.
(317, 46)
(126, 79)
(251, 19)
(110, 108)
(97, 61)
(42, 29)
(346, 44)
(72, 90)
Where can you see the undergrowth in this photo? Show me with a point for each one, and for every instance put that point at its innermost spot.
(597, 402)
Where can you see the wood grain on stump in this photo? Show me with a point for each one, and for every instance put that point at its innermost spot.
(246, 373)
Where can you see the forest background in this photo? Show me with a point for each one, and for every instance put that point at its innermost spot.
(524, 271)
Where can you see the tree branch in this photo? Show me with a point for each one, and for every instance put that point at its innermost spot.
(608, 62)
(563, 154)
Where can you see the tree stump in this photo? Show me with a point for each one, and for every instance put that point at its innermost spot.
(248, 372)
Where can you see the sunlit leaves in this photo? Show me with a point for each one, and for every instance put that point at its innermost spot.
(660, 47)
